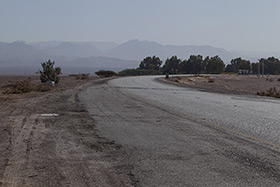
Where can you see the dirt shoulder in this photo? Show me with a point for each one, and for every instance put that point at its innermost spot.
(235, 84)
(49, 139)
(8, 82)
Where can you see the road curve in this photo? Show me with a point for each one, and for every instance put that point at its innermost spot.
(253, 116)
(175, 136)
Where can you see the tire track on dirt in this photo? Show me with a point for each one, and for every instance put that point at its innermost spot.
(21, 139)
(58, 151)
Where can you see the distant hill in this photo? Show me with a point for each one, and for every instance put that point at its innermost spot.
(254, 56)
(45, 45)
(20, 57)
(137, 50)
(91, 56)
(71, 50)
(17, 53)
(102, 46)
(131, 50)
(99, 63)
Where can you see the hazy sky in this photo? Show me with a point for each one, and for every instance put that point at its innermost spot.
(251, 25)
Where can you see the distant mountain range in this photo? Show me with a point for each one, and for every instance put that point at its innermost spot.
(20, 57)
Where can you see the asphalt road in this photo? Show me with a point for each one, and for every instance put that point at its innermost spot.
(175, 136)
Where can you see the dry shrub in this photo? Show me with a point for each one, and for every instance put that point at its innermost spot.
(43, 88)
(201, 76)
(272, 92)
(20, 87)
(179, 78)
(26, 86)
(210, 80)
(81, 76)
(269, 79)
(104, 73)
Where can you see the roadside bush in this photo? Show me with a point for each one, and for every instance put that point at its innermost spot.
(20, 87)
(135, 72)
(26, 86)
(272, 92)
(42, 88)
(210, 80)
(49, 72)
(104, 73)
(81, 76)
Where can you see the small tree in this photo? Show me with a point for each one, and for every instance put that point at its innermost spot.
(49, 73)
(214, 65)
(237, 64)
(150, 63)
(172, 65)
(194, 64)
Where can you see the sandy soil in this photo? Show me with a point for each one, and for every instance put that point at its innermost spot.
(7, 82)
(64, 150)
(238, 84)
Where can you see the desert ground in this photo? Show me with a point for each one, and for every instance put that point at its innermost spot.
(40, 148)
(236, 84)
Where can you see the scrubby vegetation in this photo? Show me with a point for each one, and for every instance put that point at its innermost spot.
(25, 86)
(20, 87)
(104, 73)
(49, 72)
(135, 72)
(272, 92)
(174, 65)
(196, 64)
(82, 76)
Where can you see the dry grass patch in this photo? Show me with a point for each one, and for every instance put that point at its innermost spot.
(272, 92)
(25, 86)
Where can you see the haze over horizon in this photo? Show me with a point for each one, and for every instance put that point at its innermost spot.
(249, 25)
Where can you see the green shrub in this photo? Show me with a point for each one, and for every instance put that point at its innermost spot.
(104, 73)
(135, 72)
(49, 72)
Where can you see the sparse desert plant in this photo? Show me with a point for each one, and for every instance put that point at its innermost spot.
(20, 87)
(210, 80)
(104, 73)
(81, 76)
(136, 72)
(85, 76)
(272, 92)
(49, 72)
(43, 88)
(268, 78)
(261, 93)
